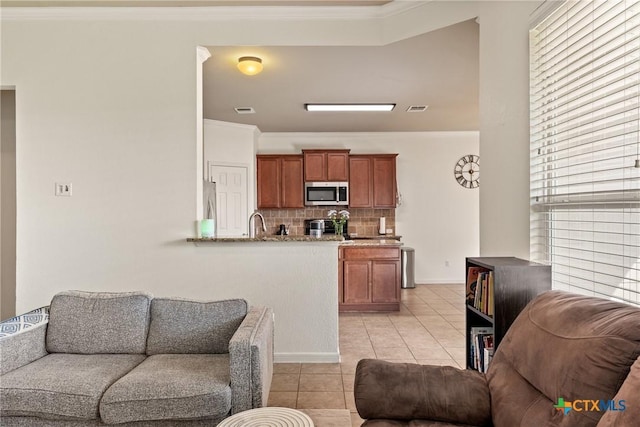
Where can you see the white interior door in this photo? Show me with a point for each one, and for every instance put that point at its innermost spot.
(231, 206)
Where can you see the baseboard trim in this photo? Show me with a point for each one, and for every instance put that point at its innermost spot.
(440, 282)
(306, 357)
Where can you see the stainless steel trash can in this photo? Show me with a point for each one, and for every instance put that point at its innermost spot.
(408, 268)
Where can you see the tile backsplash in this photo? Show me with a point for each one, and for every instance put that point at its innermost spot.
(363, 221)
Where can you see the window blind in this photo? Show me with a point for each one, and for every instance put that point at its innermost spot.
(585, 128)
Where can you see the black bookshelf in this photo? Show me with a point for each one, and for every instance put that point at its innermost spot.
(516, 282)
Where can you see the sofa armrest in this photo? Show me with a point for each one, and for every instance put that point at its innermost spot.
(22, 339)
(251, 360)
(407, 391)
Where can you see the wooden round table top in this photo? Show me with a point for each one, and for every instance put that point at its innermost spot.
(268, 417)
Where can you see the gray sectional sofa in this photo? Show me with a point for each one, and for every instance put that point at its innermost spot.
(130, 359)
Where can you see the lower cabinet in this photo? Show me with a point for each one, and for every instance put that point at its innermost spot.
(369, 278)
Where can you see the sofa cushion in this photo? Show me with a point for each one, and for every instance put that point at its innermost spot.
(565, 346)
(181, 326)
(170, 386)
(98, 322)
(62, 386)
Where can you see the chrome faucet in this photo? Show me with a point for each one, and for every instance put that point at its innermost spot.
(252, 224)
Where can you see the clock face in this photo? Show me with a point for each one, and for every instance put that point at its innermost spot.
(467, 171)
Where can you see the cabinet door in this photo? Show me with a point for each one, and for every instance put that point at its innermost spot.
(315, 166)
(384, 182)
(356, 282)
(268, 181)
(292, 188)
(360, 182)
(385, 282)
(337, 166)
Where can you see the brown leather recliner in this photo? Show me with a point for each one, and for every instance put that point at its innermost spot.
(562, 349)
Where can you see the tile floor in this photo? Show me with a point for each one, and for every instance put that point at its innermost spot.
(428, 329)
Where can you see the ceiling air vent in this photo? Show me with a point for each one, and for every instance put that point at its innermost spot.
(417, 108)
(245, 110)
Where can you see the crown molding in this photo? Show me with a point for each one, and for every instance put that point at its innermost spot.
(212, 13)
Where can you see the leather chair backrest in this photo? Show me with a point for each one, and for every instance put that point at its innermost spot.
(563, 349)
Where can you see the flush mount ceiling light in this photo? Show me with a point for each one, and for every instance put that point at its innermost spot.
(349, 107)
(250, 65)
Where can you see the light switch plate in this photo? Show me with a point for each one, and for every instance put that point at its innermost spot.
(63, 189)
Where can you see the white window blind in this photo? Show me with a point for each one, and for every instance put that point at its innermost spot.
(585, 126)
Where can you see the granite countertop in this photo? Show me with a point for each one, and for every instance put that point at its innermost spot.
(270, 238)
(378, 237)
(372, 242)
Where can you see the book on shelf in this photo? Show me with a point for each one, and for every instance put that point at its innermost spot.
(488, 355)
(490, 308)
(472, 283)
(480, 292)
(481, 338)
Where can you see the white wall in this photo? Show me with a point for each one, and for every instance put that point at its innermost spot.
(232, 144)
(504, 128)
(438, 218)
(110, 106)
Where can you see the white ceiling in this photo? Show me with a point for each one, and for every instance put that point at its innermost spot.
(438, 69)
(188, 3)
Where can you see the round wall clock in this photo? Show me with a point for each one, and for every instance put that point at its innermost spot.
(467, 171)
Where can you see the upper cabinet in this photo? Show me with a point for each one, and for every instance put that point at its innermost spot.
(372, 182)
(280, 181)
(326, 165)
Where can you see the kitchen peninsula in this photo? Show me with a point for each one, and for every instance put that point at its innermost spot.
(296, 276)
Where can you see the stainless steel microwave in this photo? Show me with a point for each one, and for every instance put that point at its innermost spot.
(326, 193)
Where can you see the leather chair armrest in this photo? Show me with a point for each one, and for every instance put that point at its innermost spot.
(407, 391)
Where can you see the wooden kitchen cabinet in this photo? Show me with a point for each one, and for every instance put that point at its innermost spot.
(369, 278)
(280, 181)
(372, 181)
(326, 165)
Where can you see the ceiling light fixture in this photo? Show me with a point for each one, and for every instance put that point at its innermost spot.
(349, 107)
(250, 65)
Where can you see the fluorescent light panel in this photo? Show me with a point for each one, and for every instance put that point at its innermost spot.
(349, 107)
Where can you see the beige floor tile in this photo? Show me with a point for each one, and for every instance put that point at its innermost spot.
(329, 417)
(350, 401)
(457, 353)
(421, 309)
(452, 342)
(361, 341)
(285, 382)
(387, 340)
(320, 368)
(356, 421)
(431, 318)
(387, 353)
(458, 324)
(285, 399)
(286, 368)
(348, 381)
(321, 400)
(321, 382)
(358, 352)
(445, 332)
(430, 353)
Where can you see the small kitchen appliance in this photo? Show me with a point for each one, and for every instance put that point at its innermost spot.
(326, 227)
(316, 227)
